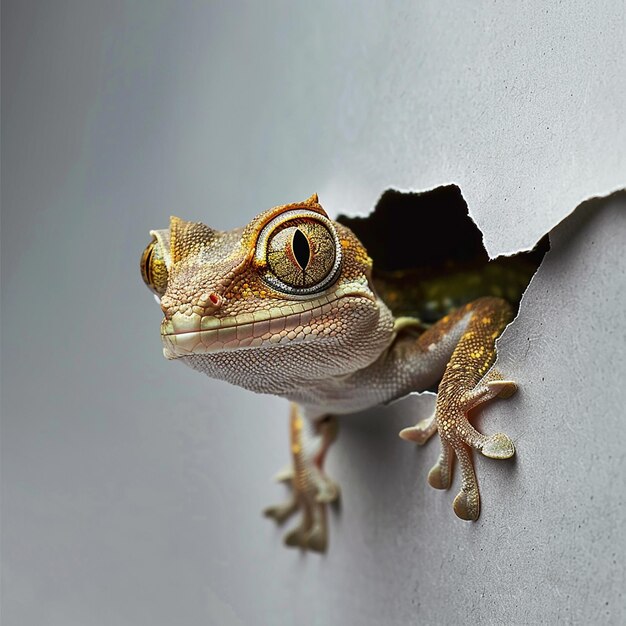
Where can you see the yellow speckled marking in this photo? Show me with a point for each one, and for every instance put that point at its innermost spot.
(461, 388)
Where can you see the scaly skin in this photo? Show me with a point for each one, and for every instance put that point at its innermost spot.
(286, 306)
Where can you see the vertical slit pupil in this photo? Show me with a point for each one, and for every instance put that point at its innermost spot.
(301, 248)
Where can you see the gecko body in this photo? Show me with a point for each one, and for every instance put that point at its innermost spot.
(287, 306)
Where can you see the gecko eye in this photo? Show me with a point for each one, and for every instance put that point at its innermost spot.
(301, 252)
(153, 269)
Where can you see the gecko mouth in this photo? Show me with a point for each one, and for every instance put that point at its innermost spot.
(298, 321)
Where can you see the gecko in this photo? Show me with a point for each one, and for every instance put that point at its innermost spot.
(287, 306)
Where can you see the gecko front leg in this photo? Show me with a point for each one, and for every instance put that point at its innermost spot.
(312, 490)
(466, 383)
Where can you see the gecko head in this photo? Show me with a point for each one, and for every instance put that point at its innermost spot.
(292, 286)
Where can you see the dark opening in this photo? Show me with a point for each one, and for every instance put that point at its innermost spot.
(429, 256)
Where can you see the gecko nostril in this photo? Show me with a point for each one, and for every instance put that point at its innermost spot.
(210, 300)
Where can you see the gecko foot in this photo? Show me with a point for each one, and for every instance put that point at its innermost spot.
(458, 436)
(312, 502)
(312, 490)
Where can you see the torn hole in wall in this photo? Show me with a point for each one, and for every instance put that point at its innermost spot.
(428, 260)
(568, 316)
(429, 256)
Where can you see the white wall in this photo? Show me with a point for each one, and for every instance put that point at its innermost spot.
(132, 487)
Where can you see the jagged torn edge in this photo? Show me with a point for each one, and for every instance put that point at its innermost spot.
(422, 403)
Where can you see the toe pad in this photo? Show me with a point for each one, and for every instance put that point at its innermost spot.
(498, 446)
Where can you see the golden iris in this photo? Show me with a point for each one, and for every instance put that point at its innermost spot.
(301, 254)
(153, 269)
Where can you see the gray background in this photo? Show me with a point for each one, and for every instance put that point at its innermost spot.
(131, 486)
